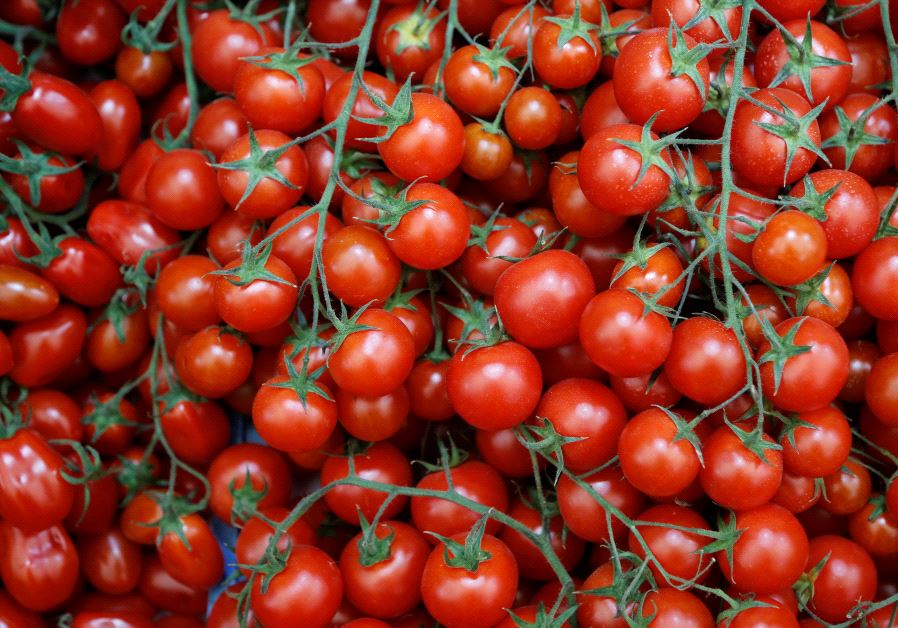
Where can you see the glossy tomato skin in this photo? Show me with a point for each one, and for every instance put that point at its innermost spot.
(585, 516)
(59, 334)
(494, 387)
(389, 588)
(259, 305)
(456, 597)
(111, 562)
(570, 205)
(218, 125)
(127, 230)
(83, 273)
(196, 430)
(434, 234)
(290, 423)
(185, 292)
(677, 551)
(265, 468)
(820, 448)
(363, 107)
(882, 389)
(790, 250)
(218, 44)
(848, 577)
(39, 569)
(58, 116)
(196, 560)
(121, 116)
(734, 476)
(213, 362)
(168, 594)
(310, 587)
(871, 160)
(531, 563)
(253, 539)
(873, 281)
(295, 246)
(24, 295)
(705, 362)
(182, 190)
(540, 299)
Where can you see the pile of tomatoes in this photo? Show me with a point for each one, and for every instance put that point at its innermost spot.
(466, 313)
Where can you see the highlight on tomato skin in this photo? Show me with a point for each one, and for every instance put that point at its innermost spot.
(484, 313)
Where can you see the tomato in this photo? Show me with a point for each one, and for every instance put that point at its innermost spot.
(882, 389)
(847, 577)
(761, 156)
(494, 387)
(87, 32)
(872, 280)
(373, 418)
(219, 42)
(146, 74)
(429, 146)
(503, 452)
(295, 246)
(791, 248)
(531, 562)
(58, 116)
(671, 607)
(409, 40)
(253, 539)
(127, 230)
(589, 412)
(14, 243)
(566, 64)
(847, 147)
(570, 205)
(270, 196)
(385, 586)
(224, 612)
(111, 562)
(133, 174)
(482, 265)
(80, 260)
(652, 458)
(435, 233)
(585, 516)
(608, 172)
(182, 190)
(381, 462)
(185, 292)
(744, 218)
(191, 555)
(473, 85)
(120, 113)
(457, 596)
(363, 107)
(52, 414)
(533, 118)
(640, 92)
(770, 532)
(39, 569)
(641, 342)
(218, 125)
(266, 470)
(58, 192)
(826, 82)
(678, 551)
(291, 421)
(360, 266)
(110, 349)
(783, 10)
(14, 615)
(736, 477)
(337, 21)
(659, 276)
(512, 28)
(846, 490)
(808, 380)
(25, 296)
(253, 304)
(710, 30)
(473, 479)
(874, 530)
(45, 347)
(167, 593)
(869, 67)
(706, 362)
(213, 362)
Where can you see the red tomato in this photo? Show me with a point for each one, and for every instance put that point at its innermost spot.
(39, 569)
(219, 42)
(706, 362)
(848, 577)
(127, 230)
(258, 302)
(266, 470)
(25, 296)
(45, 347)
(736, 477)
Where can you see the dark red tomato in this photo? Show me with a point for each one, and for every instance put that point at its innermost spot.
(52, 414)
(218, 125)
(213, 362)
(562, 61)
(674, 541)
(600, 110)
(409, 40)
(532, 563)
(706, 362)
(274, 99)
(882, 389)
(589, 412)
(192, 555)
(58, 192)
(375, 361)
(219, 42)
(260, 303)
(790, 249)
(847, 490)
(84, 273)
(228, 235)
(24, 295)
(647, 80)
(121, 116)
(873, 280)
(133, 175)
(736, 477)
(566, 361)
(820, 445)
(608, 172)
(874, 530)
(185, 292)
(58, 116)
(39, 569)
(640, 342)
(455, 596)
(710, 30)
(428, 394)
(847, 578)
(503, 452)
(127, 230)
(770, 554)
(337, 22)
(381, 462)
(430, 146)
(653, 458)
(45, 347)
(110, 562)
(711, 121)
(372, 419)
(586, 516)
(290, 422)
(672, 607)
(14, 615)
(494, 387)
(513, 28)
(524, 178)
(761, 156)
(167, 593)
(295, 246)
(796, 493)
(597, 610)
(144, 73)
(360, 266)
(15, 243)
(540, 299)
(389, 587)
(861, 355)
(852, 212)
(172, 113)
(33, 492)
(642, 392)
(266, 469)
(475, 480)
(309, 586)
(827, 82)
(533, 118)
(182, 190)
(196, 430)
(109, 347)
(253, 539)
(846, 147)
(88, 32)
(659, 277)
(434, 234)
(784, 10)
(811, 379)
(363, 106)
(571, 206)
(269, 197)
(94, 515)
(472, 85)
(482, 267)
(418, 319)
(869, 68)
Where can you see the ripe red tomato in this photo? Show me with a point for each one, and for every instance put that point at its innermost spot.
(25, 296)
(434, 234)
(254, 304)
(213, 362)
(678, 551)
(266, 469)
(290, 422)
(586, 516)
(45, 347)
(360, 266)
(875, 286)
(219, 42)
(736, 477)
(706, 362)
(474, 86)
(565, 64)
(111, 562)
(790, 250)
(848, 577)
(39, 569)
